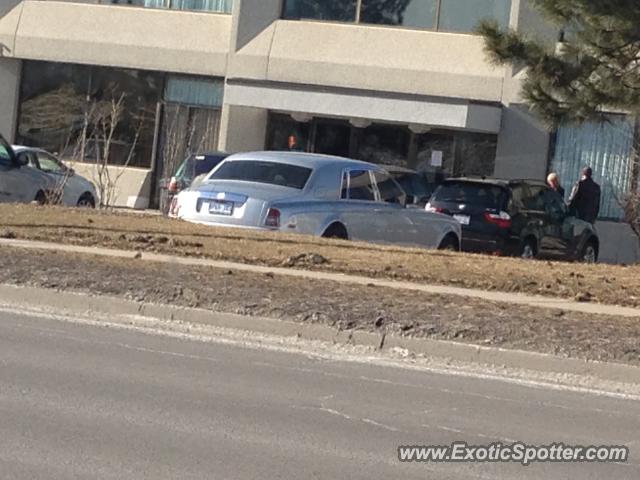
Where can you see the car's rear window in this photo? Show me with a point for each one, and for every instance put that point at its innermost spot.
(477, 194)
(272, 173)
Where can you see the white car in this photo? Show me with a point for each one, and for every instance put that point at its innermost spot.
(315, 195)
(48, 179)
(19, 183)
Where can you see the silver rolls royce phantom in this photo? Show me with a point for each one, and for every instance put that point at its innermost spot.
(316, 195)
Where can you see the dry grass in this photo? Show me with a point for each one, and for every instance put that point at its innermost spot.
(341, 306)
(599, 283)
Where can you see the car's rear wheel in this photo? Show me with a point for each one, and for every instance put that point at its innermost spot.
(589, 252)
(450, 243)
(528, 250)
(41, 198)
(87, 201)
(336, 230)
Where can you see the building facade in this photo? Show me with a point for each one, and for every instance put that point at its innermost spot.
(394, 82)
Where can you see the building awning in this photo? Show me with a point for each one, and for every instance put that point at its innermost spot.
(364, 105)
(117, 36)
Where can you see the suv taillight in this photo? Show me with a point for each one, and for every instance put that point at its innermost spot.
(273, 218)
(174, 185)
(501, 220)
(432, 209)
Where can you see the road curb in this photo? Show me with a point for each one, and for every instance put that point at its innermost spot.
(536, 301)
(47, 300)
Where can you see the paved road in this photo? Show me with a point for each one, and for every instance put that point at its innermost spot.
(84, 402)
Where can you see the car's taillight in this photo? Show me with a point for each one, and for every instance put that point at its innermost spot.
(175, 208)
(501, 220)
(432, 209)
(273, 218)
(173, 186)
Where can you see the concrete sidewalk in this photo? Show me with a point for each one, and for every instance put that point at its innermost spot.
(437, 356)
(501, 297)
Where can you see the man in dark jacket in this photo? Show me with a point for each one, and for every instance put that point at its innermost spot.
(554, 182)
(585, 197)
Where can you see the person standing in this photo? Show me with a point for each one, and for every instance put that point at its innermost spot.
(554, 182)
(585, 197)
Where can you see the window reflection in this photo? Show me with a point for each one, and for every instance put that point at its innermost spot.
(336, 10)
(219, 6)
(384, 144)
(436, 154)
(409, 13)
(82, 113)
(464, 15)
(444, 15)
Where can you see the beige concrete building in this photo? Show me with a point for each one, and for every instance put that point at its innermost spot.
(390, 82)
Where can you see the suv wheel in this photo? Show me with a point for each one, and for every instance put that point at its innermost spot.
(41, 198)
(528, 249)
(450, 243)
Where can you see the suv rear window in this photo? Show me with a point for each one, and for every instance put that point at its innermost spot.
(478, 194)
(198, 165)
(272, 173)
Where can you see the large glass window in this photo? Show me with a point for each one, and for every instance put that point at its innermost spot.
(218, 6)
(606, 147)
(85, 113)
(464, 15)
(409, 13)
(284, 133)
(437, 154)
(336, 10)
(383, 144)
(194, 91)
(332, 138)
(444, 15)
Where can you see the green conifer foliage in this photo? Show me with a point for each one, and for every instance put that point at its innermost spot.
(597, 67)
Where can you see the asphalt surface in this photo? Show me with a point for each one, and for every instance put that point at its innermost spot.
(80, 401)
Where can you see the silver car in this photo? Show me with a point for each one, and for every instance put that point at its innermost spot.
(60, 184)
(315, 195)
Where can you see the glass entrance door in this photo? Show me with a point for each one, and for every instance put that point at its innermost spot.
(332, 138)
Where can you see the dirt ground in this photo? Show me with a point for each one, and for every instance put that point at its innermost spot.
(346, 307)
(597, 283)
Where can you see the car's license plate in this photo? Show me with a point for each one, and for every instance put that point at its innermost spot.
(463, 219)
(221, 208)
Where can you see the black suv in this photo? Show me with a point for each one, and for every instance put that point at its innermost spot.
(515, 217)
(193, 168)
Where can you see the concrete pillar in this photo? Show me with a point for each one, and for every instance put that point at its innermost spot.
(243, 128)
(10, 71)
(6, 5)
(250, 17)
(523, 146)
